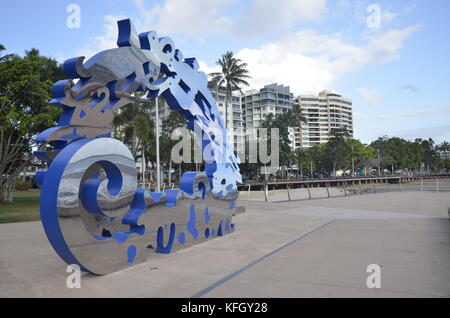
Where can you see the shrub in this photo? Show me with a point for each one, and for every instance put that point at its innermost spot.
(23, 185)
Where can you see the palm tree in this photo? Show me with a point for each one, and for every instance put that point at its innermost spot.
(296, 116)
(444, 146)
(232, 76)
(2, 48)
(339, 133)
(132, 125)
(173, 121)
(302, 157)
(268, 122)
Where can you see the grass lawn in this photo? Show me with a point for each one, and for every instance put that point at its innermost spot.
(25, 207)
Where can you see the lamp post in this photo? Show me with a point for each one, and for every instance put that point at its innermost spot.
(379, 164)
(158, 175)
(353, 164)
(143, 168)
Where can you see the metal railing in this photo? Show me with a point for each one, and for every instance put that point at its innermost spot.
(152, 186)
(327, 188)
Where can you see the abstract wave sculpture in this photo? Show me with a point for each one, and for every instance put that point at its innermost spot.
(92, 210)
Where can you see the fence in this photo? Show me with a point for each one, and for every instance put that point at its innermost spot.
(312, 189)
(152, 186)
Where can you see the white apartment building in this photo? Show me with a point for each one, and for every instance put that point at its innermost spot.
(257, 104)
(324, 112)
(443, 154)
(235, 123)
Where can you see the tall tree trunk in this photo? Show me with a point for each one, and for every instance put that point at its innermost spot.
(227, 99)
(7, 188)
(226, 110)
(8, 178)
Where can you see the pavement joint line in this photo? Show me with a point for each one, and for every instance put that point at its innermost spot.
(242, 269)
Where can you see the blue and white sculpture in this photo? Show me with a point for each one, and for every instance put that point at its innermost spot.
(93, 213)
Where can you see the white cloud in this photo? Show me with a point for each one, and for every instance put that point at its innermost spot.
(272, 63)
(204, 17)
(387, 16)
(370, 96)
(270, 16)
(206, 69)
(343, 6)
(385, 47)
(108, 40)
(191, 17)
(409, 8)
(309, 62)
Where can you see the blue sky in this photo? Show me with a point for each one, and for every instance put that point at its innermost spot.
(397, 74)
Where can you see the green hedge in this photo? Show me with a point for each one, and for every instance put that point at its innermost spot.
(23, 185)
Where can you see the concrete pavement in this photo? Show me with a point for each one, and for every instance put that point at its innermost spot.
(314, 248)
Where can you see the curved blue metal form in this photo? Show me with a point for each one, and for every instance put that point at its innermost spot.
(93, 213)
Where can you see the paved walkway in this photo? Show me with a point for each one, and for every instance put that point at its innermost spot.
(314, 248)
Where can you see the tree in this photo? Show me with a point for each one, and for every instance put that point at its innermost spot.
(359, 151)
(291, 118)
(134, 127)
(268, 124)
(232, 76)
(303, 159)
(296, 117)
(132, 124)
(2, 48)
(282, 122)
(171, 123)
(429, 152)
(446, 163)
(338, 151)
(318, 155)
(340, 133)
(25, 86)
(444, 146)
(397, 153)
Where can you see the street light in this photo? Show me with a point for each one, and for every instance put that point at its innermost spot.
(158, 176)
(379, 163)
(353, 165)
